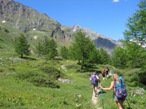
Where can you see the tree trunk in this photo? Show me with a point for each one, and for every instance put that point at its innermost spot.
(21, 56)
(82, 64)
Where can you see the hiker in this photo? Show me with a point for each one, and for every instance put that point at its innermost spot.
(103, 74)
(106, 71)
(94, 78)
(114, 84)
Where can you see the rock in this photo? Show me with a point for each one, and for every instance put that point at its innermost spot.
(64, 80)
(139, 91)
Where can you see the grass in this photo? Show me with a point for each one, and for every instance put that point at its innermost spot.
(106, 97)
(18, 92)
(131, 102)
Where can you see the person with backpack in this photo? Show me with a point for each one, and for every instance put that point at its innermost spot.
(103, 74)
(106, 71)
(94, 78)
(119, 90)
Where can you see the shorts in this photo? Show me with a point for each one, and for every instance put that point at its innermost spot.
(117, 99)
(95, 85)
(103, 75)
(107, 73)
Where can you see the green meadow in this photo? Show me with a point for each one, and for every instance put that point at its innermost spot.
(32, 84)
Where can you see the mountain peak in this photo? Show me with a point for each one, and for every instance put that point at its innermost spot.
(6, 1)
(27, 19)
(76, 27)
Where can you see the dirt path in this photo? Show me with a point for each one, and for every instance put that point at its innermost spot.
(95, 100)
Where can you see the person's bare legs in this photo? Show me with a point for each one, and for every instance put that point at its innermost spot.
(120, 104)
(95, 90)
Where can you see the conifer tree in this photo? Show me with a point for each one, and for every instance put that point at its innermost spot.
(119, 57)
(104, 56)
(136, 32)
(137, 25)
(52, 49)
(39, 48)
(81, 48)
(64, 52)
(48, 48)
(22, 46)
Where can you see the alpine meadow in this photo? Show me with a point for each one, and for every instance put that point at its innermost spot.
(46, 65)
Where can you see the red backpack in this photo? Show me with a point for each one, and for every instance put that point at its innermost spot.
(103, 72)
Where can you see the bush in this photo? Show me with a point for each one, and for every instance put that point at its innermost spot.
(52, 72)
(142, 76)
(136, 77)
(28, 74)
(38, 79)
(43, 82)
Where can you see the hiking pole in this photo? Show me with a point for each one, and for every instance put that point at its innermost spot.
(102, 96)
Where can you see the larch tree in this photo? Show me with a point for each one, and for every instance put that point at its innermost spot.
(22, 46)
(136, 30)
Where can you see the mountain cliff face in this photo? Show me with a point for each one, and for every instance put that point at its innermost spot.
(99, 40)
(27, 20)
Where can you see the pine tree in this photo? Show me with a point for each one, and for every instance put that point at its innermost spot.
(22, 46)
(135, 55)
(119, 58)
(52, 49)
(104, 57)
(39, 48)
(64, 52)
(81, 48)
(137, 25)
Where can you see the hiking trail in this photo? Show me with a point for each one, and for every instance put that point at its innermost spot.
(95, 100)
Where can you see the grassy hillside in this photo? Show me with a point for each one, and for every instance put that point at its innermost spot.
(24, 84)
(33, 84)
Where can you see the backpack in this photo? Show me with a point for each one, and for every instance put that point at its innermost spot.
(103, 71)
(94, 79)
(106, 69)
(120, 88)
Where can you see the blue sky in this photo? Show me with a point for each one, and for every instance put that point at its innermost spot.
(108, 17)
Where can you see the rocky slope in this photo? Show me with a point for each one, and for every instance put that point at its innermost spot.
(27, 20)
(100, 40)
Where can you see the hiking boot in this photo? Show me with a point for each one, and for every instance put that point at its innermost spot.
(95, 95)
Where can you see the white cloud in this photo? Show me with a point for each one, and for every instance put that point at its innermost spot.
(116, 0)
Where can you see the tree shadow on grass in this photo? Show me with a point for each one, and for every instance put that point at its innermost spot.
(29, 58)
(101, 92)
(90, 68)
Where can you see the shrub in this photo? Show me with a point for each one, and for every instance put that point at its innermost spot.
(28, 74)
(142, 76)
(38, 79)
(71, 66)
(136, 77)
(1, 70)
(43, 82)
(52, 72)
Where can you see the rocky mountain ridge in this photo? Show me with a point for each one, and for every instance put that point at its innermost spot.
(100, 40)
(27, 19)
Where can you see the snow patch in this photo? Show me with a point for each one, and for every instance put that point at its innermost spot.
(3, 21)
(34, 29)
(35, 37)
